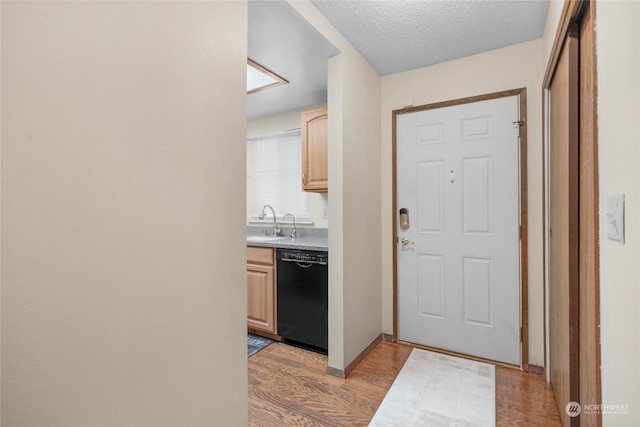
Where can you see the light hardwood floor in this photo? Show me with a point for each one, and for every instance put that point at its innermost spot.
(289, 387)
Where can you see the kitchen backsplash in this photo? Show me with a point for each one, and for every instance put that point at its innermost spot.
(259, 230)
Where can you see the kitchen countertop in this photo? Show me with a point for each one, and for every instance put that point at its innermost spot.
(311, 239)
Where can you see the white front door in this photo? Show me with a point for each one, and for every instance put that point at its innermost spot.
(459, 260)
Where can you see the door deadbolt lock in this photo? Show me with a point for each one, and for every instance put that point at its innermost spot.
(404, 219)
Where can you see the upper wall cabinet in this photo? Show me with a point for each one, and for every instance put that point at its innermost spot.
(314, 151)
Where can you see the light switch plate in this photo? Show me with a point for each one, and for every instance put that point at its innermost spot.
(615, 217)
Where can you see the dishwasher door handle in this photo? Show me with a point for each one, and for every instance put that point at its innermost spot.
(302, 263)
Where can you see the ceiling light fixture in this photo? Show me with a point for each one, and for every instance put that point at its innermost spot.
(260, 78)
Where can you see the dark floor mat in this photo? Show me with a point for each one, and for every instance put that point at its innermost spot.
(256, 343)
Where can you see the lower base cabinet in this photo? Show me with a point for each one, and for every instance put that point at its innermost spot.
(261, 290)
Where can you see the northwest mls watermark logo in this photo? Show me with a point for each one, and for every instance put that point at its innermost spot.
(573, 409)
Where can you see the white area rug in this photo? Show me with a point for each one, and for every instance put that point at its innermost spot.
(438, 390)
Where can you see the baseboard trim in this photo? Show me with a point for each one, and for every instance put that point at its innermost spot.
(335, 372)
(344, 373)
(264, 334)
(387, 338)
(535, 369)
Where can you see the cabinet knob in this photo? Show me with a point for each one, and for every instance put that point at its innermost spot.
(304, 178)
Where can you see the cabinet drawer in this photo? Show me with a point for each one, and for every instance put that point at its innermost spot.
(257, 255)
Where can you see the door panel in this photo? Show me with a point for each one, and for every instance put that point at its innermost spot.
(574, 338)
(459, 272)
(559, 237)
(477, 196)
(563, 223)
(261, 297)
(431, 289)
(431, 197)
(478, 291)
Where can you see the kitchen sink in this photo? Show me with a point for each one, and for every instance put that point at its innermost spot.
(258, 239)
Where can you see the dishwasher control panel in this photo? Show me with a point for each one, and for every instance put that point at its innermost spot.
(304, 256)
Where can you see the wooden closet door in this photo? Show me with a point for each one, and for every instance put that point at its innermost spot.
(564, 230)
(574, 310)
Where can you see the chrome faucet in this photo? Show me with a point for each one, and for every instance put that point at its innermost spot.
(276, 229)
(294, 233)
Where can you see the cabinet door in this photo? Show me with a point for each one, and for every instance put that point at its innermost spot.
(261, 313)
(314, 151)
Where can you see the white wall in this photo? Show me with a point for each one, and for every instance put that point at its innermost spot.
(354, 196)
(318, 202)
(503, 69)
(335, 107)
(274, 123)
(361, 205)
(618, 67)
(123, 299)
(554, 13)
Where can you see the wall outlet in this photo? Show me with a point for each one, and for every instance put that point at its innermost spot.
(615, 217)
(325, 213)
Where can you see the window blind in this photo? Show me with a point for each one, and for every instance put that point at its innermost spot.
(274, 173)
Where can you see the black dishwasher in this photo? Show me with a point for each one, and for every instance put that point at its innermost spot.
(302, 278)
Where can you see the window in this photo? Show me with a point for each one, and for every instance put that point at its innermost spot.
(274, 173)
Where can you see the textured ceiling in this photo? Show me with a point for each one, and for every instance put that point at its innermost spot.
(402, 35)
(394, 36)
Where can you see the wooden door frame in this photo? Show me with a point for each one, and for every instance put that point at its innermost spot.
(572, 13)
(524, 263)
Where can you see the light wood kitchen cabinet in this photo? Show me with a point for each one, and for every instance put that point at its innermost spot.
(261, 291)
(315, 177)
